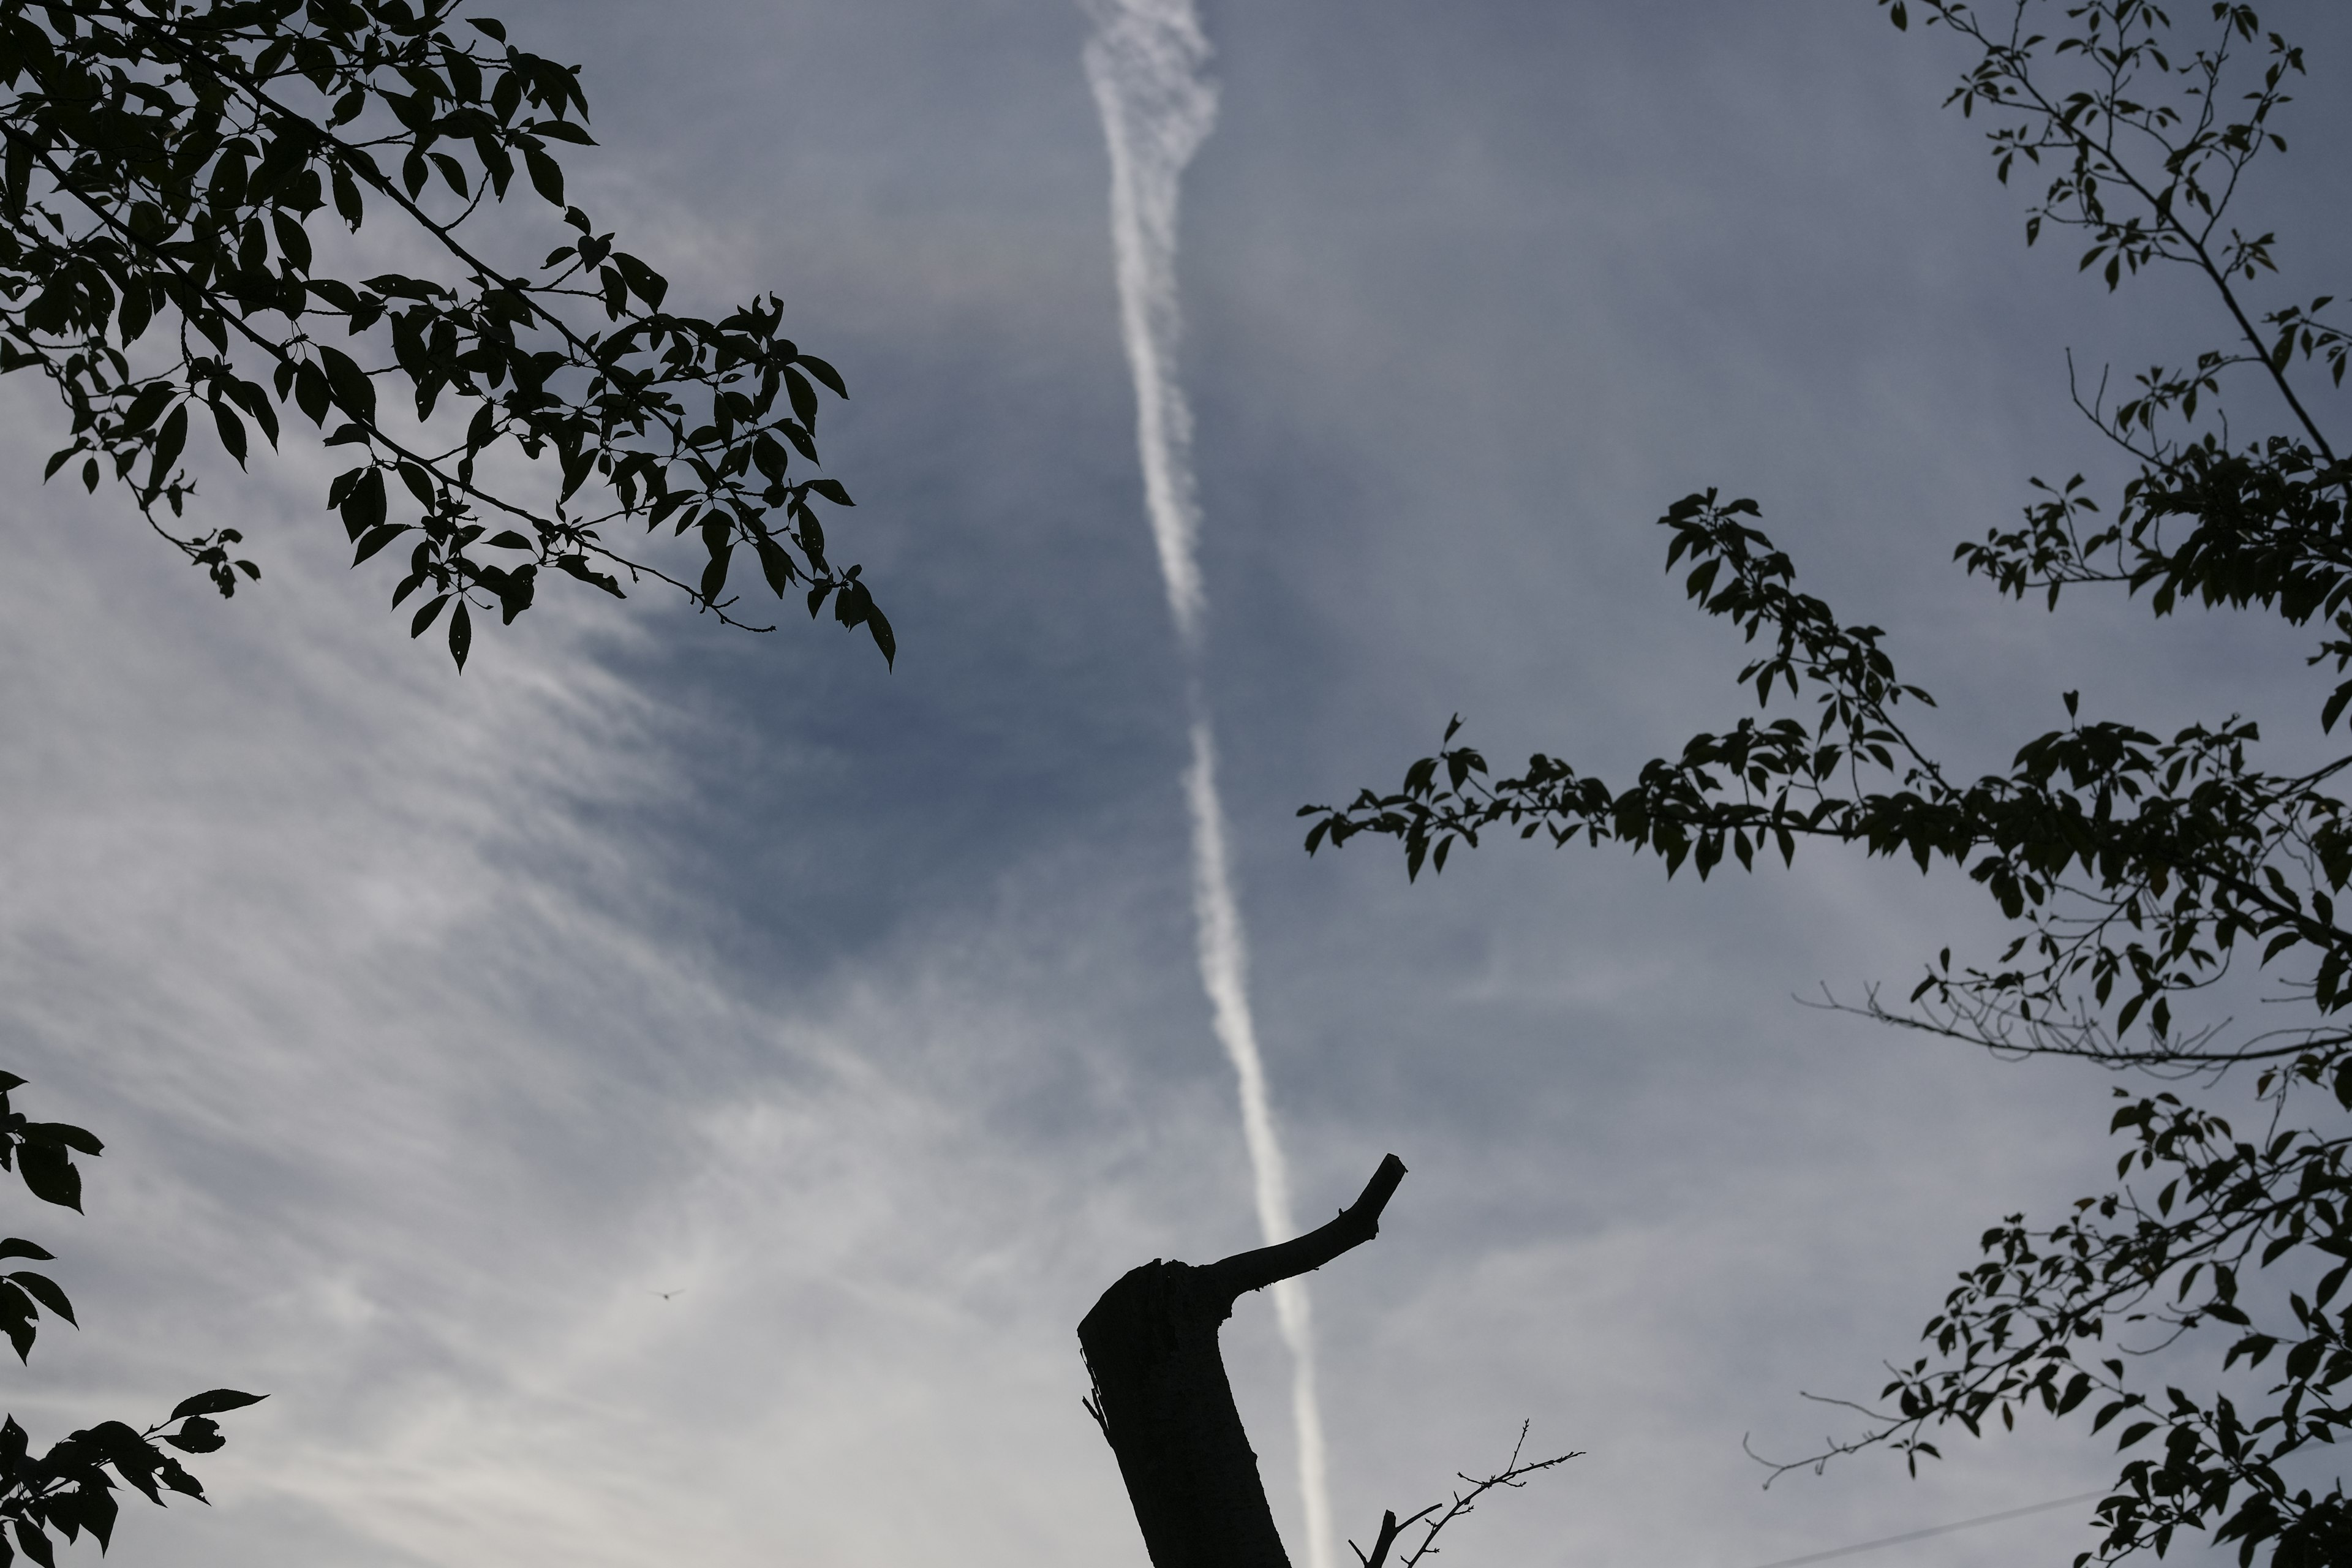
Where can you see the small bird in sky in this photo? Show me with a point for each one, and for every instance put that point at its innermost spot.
(666, 1295)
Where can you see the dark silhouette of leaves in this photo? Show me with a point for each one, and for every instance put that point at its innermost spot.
(69, 1489)
(162, 167)
(2136, 869)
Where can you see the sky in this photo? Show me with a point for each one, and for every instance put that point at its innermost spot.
(668, 1094)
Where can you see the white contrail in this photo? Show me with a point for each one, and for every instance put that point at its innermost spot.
(1224, 974)
(1147, 65)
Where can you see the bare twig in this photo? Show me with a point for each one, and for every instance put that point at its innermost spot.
(1513, 1474)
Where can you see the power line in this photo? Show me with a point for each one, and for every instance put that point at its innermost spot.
(1935, 1529)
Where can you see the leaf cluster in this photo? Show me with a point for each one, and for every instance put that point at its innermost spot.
(70, 1488)
(2045, 1319)
(2139, 866)
(165, 169)
(2137, 869)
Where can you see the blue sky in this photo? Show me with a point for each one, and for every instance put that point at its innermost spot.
(436, 1024)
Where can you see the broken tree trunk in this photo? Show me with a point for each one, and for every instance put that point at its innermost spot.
(1161, 1397)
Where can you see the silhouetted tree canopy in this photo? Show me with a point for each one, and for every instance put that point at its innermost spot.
(2138, 868)
(182, 184)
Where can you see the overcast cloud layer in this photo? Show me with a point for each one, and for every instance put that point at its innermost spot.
(670, 1095)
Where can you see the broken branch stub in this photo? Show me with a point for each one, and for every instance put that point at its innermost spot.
(1161, 1397)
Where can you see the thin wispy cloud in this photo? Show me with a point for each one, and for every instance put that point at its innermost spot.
(436, 1024)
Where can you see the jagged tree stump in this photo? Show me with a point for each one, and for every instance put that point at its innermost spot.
(1161, 1397)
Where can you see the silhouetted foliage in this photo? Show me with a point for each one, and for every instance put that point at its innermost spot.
(2138, 868)
(182, 184)
(165, 169)
(69, 1489)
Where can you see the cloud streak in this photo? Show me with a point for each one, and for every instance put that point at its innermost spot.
(1147, 63)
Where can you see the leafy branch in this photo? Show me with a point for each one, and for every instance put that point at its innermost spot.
(2137, 870)
(2138, 867)
(2042, 1320)
(70, 1488)
(162, 166)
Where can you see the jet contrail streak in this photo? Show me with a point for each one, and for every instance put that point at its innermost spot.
(1224, 974)
(1147, 65)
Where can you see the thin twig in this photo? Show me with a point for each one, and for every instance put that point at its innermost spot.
(1513, 1474)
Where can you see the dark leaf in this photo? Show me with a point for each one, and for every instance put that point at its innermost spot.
(232, 432)
(375, 539)
(311, 392)
(775, 565)
(48, 1171)
(202, 1434)
(577, 566)
(169, 441)
(364, 507)
(826, 373)
(45, 1290)
(65, 1135)
(213, 1402)
(546, 178)
(354, 393)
